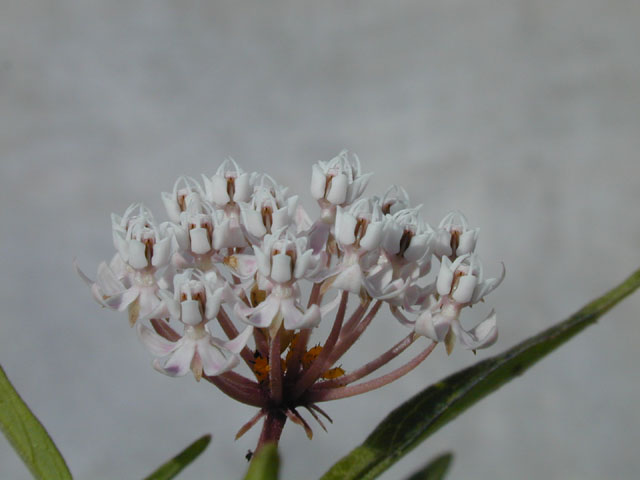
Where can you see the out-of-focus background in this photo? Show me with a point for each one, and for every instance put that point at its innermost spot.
(523, 114)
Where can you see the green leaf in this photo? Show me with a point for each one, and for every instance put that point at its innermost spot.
(265, 464)
(436, 469)
(28, 437)
(174, 466)
(416, 419)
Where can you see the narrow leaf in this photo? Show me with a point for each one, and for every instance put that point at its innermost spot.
(265, 464)
(436, 469)
(28, 437)
(174, 466)
(416, 419)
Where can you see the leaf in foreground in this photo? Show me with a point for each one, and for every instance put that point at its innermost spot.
(28, 437)
(265, 464)
(413, 421)
(174, 466)
(435, 470)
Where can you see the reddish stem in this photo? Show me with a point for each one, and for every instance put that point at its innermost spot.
(323, 395)
(321, 363)
(275, 370)
(272, 428)
(347, 341)
(372, 366)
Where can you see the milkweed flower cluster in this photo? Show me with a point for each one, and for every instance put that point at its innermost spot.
(240, 273)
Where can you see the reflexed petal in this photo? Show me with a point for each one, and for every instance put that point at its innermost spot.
(120, 301)
(295, 319)
(433, 326)
(483, 335)
(349, 279)
(488, 286)
(239, 342)
(148, 300)
(107, 280)
(179, 363)
(264, 313)
(213, 361)
(158, 346)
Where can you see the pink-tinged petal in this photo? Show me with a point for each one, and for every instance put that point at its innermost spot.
(190, 312)
(295, 319)
(264, 314)
(401, 317)
(107, 280)
(161, 252)
(464, 289)
(281, 268)
(158, 346)
(213, 361)
(302, 219)
(433, 326)
(149, 301)
(337, 193)
(445, 277)
(179, 363)
(173, 306)
(483, 335)
(318, 182)
(318, 235)
(349, 279)
(240, 341)
(122, 300)
(244, 265)
(199, 240)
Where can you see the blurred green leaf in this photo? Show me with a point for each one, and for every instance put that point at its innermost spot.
(28, 437)
(265, 464)
(436, 469)
(413, 421)
(174, 466)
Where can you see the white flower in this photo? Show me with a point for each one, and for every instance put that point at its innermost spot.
(269, 209)
(463, 280)
(185, 191)
(197, 351)
(229, 185)
(138, 239)
(337, 182)
(135, 291)
(453, 236)
(441, 323)
(394, 199)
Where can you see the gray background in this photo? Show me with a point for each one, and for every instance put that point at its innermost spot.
(524, 114)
